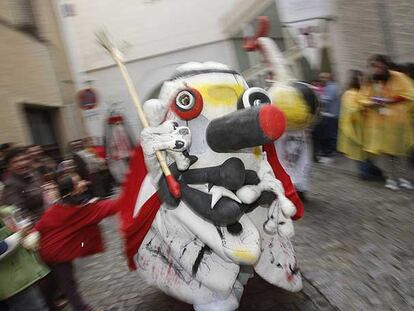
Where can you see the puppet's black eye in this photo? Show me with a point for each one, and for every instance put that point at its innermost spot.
(187, 104)
(253, 97)
(185, 100)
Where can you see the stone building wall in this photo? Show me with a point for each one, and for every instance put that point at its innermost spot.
(362, 29)
(33, 71)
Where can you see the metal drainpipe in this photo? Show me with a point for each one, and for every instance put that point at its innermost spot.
(385, 26)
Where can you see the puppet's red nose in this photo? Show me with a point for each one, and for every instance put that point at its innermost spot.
(272, 121)
(246, 128)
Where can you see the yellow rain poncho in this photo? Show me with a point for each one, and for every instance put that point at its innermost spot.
(351, 122)
(389, 129)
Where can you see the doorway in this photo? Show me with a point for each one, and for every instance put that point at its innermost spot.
(41, 123)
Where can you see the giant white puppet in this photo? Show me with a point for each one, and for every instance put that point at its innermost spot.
(234, 203)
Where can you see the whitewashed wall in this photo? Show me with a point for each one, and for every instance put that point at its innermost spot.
(151, 27)
(147, 74)
(161, 34)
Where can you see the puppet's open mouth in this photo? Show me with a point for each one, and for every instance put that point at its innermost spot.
(231, 175)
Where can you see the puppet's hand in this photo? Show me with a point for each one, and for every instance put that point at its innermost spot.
(249, 193)
(270, 183)
(277, 222)
(169, 138)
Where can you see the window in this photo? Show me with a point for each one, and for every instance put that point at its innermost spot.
(25, 17)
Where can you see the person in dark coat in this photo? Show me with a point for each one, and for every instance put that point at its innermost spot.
(23, 188)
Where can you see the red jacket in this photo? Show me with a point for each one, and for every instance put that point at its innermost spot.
(68, 232)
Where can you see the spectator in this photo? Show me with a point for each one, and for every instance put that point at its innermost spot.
(39, 160)
(92, 168)
(350, 134)
(317, 87)
(409, 71)
(45, 169)
(49, 186)
(326, 129)
(19, 270)
(389, 130)
(65, 167)
(4, 148)
(69, 230)
(23, 188)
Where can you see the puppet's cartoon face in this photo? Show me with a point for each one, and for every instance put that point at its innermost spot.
(222, 112)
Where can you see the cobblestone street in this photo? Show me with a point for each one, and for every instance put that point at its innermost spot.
(354, 246)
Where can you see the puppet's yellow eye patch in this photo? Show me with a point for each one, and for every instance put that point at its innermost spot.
(220, 94)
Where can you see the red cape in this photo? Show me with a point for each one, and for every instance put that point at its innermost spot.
(135, 229)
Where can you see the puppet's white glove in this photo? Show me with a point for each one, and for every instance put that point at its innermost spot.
(277, 222)
(170, 139)
(282, 209)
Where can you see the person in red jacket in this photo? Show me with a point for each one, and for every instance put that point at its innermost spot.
(69, 230)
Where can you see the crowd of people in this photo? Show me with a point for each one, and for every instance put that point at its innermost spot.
(371, 123)
(42, 227)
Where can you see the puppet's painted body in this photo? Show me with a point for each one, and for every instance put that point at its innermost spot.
(196, 245)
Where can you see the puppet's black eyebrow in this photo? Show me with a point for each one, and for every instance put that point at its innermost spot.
(191, 73)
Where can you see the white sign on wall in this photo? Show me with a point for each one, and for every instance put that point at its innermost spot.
(299, 10)
(309, 37)
(306, 22)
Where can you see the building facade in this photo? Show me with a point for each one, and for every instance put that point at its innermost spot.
(374, 26)
(331, 35)
(36, 87)
(158, 36)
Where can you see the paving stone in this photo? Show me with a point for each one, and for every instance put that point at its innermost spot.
(374, 225)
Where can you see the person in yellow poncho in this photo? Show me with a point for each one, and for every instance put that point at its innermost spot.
(350, 136)
(409, 71)
(388, 128)
(350, 131)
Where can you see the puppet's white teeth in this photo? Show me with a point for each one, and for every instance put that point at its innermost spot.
(218, 192)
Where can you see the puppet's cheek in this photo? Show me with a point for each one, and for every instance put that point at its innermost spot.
(198, 128)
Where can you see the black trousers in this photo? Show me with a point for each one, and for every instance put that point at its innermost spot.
(65, 276)
(324, 136)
